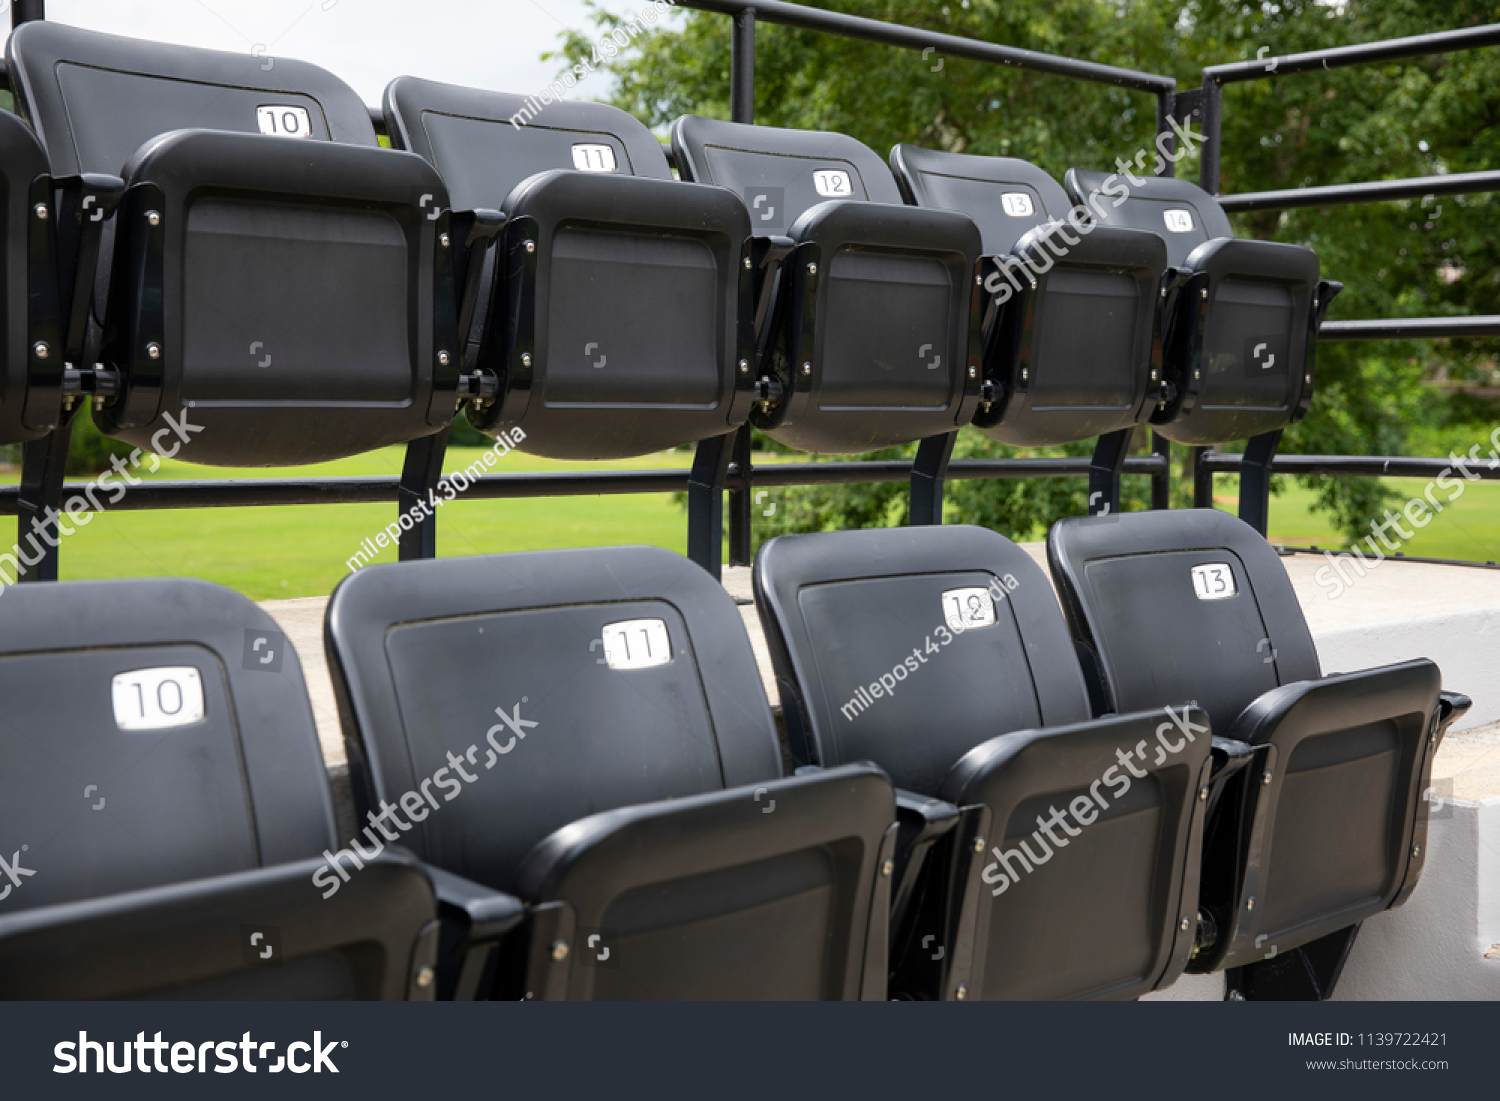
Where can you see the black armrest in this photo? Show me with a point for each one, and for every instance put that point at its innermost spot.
(1229, 756)
(921, 821)
(1452, 706)
(475, 919)
(85, 203)
(474, 232)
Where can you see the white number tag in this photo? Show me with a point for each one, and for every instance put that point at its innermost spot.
(1213, 581)
(636, 644)
(593, 158)
(833, 184)
(288, 122)
(1178, 221)
(965, 609)
(1017, 204)
(153, 699)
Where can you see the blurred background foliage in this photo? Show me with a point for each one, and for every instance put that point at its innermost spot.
(1426, 257)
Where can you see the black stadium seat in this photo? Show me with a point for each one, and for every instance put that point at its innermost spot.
(1071, 309)
(595, 726)
(868, 342)
(274, 276)
(1240, 321)
(1326, 826)
(619, 323)
(163, 807)
(31, 379)
(939, 653)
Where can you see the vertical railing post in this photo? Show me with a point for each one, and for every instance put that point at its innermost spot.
(1213, 101)
(742, 68)
(741, 109)
(1161, 482)
(27, 11)
(1165, 105)
(1203, 480)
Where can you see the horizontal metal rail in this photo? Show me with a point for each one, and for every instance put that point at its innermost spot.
(253, 492)
(913, 38)
(1376, 191)
(1337, 57)
(1368, 466)
(1411, 328)
(1398, 557)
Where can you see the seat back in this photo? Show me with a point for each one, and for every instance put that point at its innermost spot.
(161, 787)
(1005, 196)
(870, 340)
(605, 709)
(230, 259)
(910, 646)
(1181, 604)
(620, 319)
(32, 369)
(1242, 318)
(1071, 308)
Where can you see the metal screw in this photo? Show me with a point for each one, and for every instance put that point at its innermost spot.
(1307, 378)
(1164, 292)
(1205, 294)
(1235, 996)
(807, 368)
(1183, 924)
(525, 359)
(1203, 794)
(747, 263)
(153, 350)
(1025, 374)
(40, 210)
(443, 358)
(979, 280)
(425, 977)
(530, 246)
(1250, 903)
(1153, 374)
(1416, 851)
(443, 239)
(744, 366)
(962, 992)
(153, 218)
(40, 349)
(1265, 777)
(973, 372)
(888, 867)
(559, 950)
(979, 844)
(812, 269)
(1197, 374)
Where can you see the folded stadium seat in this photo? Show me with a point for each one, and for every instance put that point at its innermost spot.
(620, 322)
(1326, 826)
(939, 653)
(1071, 312)
(595, 725)
(872, 336)
(272, 277)
(163, 804)
(1240, 326)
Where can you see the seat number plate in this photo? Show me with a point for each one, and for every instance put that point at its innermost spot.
(154, 699)
(966, 609)
(636, 644)
(286, 122)
(1017, 204)
(1213, 581)
(593, 158)
(1178, 221)
(833, 184)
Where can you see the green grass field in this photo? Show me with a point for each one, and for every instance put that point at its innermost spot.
(267, 553)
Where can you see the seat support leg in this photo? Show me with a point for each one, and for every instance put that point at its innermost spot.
(706, 502)
(1203, 480)
(43, 464)
(1255, 479)
(1305, 974)
(927, 476)
(1161, 484)
(1105, 469)
(419, 478)
(738, 477)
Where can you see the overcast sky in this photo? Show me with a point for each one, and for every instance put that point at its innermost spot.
(495, 44)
